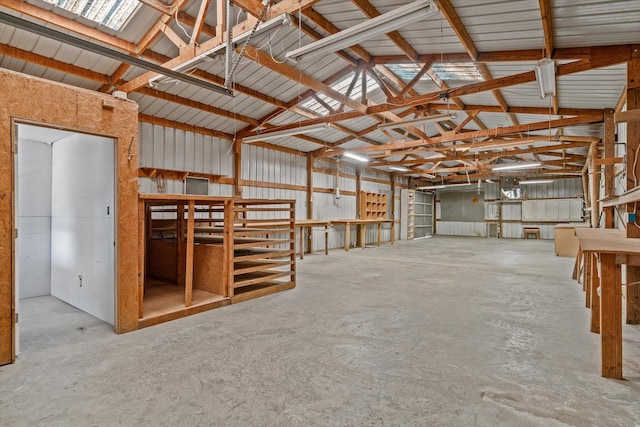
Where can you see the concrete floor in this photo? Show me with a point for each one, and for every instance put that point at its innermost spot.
(436, 332)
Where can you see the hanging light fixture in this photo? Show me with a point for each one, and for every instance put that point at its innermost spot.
(399, 168)
(418, 121)
(546, 77)
(537, 181)
(382, 24)
(516, 166)
(287, 132)
(355, 156)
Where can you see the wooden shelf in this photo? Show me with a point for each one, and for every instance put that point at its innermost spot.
(242, 246)
(373, 205)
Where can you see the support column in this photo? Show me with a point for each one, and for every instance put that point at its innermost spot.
(359, 212)
(610, 318)
(633, 179)
(609, 153)
(309, 203)
(237, 168)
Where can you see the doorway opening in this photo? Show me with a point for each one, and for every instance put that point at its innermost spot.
(65, 247)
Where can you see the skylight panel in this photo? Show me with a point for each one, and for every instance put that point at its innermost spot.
(341, 86)
(110, 13)
(449, 72)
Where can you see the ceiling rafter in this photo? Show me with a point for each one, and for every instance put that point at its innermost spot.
(371, 12)
(68, 24)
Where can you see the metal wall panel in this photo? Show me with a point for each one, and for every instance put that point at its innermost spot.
(454, 228)
(167, 148)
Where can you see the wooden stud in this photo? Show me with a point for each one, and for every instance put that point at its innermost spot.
(610, 317)
(595, 298)
(188, 280)
(633, 180)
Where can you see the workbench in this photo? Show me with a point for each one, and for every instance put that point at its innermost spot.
(308, 224)
(610, 248)
(363, 225)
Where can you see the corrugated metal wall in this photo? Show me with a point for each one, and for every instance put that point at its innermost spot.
(175, 149)
(511, 212)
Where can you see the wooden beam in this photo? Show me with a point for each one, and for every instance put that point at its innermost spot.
(166, 96)
(173, 36)
(54, 64)
(454, 20)
(51, 18)
(330, 28)
(415, 79)
(292, 73)
(547, 26)
(197, 26)
(371, 12)
(627, 116)
(183, 126)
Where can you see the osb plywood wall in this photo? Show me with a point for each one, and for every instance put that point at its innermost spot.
(37, 101)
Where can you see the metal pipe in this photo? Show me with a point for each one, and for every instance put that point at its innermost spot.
(50, 33)
(227, 64)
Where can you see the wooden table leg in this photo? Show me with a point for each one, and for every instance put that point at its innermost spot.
(595, 299)
(326, 240)
(586, 280)
(301, 243)
(610, 316)
(347, 236)
(393, 232)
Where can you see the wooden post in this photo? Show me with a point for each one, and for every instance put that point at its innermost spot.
(180, 235)
(609, 152)
(633, 179)
(142, 235)
(188, 282)
(610, 316)
(393, 207)
(309, 201)
(587, 282)
(237, 168)
(359, 213)
(228, 246)
(595, 299)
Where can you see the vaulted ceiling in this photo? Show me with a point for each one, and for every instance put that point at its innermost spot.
(474, 59)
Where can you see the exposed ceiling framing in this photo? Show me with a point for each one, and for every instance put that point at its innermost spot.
(464, 59)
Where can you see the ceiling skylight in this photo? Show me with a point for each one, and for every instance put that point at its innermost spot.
(110, 13)
(457, 72)
(342, 86)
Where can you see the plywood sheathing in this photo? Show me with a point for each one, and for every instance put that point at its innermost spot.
(38, 101)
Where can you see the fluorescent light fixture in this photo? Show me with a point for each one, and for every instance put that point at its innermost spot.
(418, 121)
(428, 175)
(546, 77)
(537, 181)
(287, 132)
(501, 144)
(399, 168)
(355, 156)
(515, 166)
(382, 24)
(441, 186)
(239, 39)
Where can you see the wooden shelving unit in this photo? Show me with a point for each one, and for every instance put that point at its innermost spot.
(203, 252)
(407, 212)
(373, 205)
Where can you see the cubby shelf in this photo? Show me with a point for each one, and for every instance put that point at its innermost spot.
(212, 250)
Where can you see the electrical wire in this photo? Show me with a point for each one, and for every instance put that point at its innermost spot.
(183, 29)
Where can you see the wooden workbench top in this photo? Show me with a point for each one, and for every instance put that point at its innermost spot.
(604, 240)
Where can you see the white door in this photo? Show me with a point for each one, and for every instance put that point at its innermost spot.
(82, 224)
